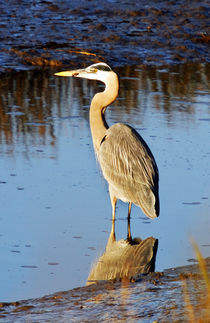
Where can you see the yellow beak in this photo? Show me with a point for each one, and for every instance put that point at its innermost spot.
(69, 73)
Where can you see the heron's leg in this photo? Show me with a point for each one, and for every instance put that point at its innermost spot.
(113, 201)
(129, 226)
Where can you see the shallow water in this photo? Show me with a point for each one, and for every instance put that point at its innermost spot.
(55, 210)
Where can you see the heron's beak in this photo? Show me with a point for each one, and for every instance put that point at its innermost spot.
(75, 73)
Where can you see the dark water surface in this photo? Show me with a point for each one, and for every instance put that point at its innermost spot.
(55, 208)
(119, 32)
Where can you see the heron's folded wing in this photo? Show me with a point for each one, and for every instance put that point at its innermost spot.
(128, 165)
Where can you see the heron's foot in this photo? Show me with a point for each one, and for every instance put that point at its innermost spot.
(129, 238)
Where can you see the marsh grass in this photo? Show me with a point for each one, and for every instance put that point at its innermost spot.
(197, 297)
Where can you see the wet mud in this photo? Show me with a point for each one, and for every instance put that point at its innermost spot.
(57, 33)
(153, 297)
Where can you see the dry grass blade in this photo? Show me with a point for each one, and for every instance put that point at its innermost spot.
(202, 266)
(200, 310)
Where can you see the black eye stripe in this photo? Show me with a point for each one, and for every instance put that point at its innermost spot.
(102, 67)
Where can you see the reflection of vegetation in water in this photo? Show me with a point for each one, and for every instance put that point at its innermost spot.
(30, 102)
(197, 304)
(169, 89)
(24, 102)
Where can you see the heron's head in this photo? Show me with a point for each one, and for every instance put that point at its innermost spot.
(99, 71)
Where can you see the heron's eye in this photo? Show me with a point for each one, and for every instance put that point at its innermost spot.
(91, 70)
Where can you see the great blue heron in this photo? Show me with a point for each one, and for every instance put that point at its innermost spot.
(125, 159)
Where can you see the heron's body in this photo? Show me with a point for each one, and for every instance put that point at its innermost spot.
(129, 167)
(125, 159)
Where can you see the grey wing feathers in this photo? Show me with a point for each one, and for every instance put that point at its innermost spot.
(129, 166)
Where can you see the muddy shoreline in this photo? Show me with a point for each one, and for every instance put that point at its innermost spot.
(117, 300)
(54, 33)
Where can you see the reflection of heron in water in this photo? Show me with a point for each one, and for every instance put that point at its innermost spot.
(125, 260)
(125, 159)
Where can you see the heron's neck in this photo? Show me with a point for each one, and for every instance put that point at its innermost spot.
(98, 106)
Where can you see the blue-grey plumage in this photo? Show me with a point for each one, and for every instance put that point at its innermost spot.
(130, 168)
(125, 159)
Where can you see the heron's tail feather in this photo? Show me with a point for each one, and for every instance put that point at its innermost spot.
(149, 202)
